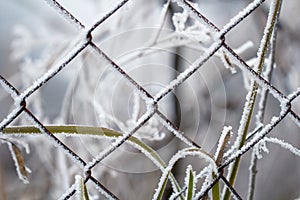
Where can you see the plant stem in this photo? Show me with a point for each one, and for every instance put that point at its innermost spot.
(262, 107)
(251, 97)
(216, 189)
(223, 140)
(94, 131)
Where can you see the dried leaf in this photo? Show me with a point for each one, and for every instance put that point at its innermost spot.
(19, 161)
(227, 62)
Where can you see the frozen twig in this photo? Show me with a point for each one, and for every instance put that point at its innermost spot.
(261, 107)
(251, 96)
(284, 145)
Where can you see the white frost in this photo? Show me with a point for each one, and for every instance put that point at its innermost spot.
(182, 154)
(208, 180)
(239, 17)
(12, 115)
(77, 47)
(171, 128)
(66, 193)
(8, 88)
(189, 71)
(194, 14)
(226, 131)
(187, 179)
(78, 187)
(179, 20)
(284, 144)
(17, 165)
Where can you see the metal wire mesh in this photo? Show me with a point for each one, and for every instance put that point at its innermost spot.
(86, 40)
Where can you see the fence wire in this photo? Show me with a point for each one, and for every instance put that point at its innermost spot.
(86, 40)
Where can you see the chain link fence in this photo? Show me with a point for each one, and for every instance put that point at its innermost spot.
(215, 46)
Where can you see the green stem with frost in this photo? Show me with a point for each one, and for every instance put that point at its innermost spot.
(91, 131)
(249, 105)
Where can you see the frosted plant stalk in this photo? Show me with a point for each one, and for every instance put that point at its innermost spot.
(284, 145)
(222, 142)
(261, 108)
(179, 155)
(251, 96)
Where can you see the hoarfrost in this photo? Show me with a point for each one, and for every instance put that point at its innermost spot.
(79, 187)
(19, 162)
(284, 144)
(142, 129)
(187, 180)
(174, 196)
(55, 140)
(68, 192)
(228, 60)
(194, 31)
(78, 47)
(206, 171)
(119, 141)
(102, 191)
(208, 180)
(179, 20)
(68, 16)
(223, 139)
(188, 72)
(159, 163)
(192, 12)
(182, 154)
(245, 115)
(295, 118)
(227, 63)
(259, 148)
(148, 131)
(295, 94)
(264, 41)
(171, 128)
(257, 137)
(14, 113)
(8, 88)
(240, 16)
(256, 77)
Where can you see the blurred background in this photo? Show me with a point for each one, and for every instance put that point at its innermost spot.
(153, 49)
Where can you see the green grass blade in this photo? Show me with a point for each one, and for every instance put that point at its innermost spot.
(190, 183)
(96, 131)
